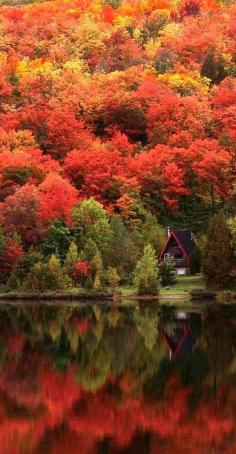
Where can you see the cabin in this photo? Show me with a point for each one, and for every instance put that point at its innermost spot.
(180, 245)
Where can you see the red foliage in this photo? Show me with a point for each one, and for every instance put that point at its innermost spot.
(57, 197)
(19, 213)
(81, 268)
(9, 257)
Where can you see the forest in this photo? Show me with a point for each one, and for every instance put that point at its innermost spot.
(117, 119)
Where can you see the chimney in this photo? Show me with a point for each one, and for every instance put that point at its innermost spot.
(168, 232)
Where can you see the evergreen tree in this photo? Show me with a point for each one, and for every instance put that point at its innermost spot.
(57, 240)
(167, 272)
(97, 267)
(71, 258)
(217, 260)
(113, 279)
(89, 251)
(146, 273)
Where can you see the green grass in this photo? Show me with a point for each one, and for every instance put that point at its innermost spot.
(183, 284)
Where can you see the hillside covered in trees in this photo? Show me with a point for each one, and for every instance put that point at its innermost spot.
(117, 119)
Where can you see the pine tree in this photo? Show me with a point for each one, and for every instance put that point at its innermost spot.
(218, 255)
(71, 258)
(113, 279)
(167, 272)
(97, 266)
(146, 273)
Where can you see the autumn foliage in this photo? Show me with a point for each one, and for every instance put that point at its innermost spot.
(129, 102)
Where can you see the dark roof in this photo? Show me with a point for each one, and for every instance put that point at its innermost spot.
(185, 239)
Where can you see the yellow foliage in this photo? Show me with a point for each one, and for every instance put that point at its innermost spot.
(185, 84)
(27, 67)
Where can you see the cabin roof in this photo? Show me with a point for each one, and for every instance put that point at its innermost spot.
(184, 240)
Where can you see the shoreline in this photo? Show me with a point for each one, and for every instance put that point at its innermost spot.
(194, 296)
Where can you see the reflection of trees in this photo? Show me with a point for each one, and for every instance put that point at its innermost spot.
(146, 322)
(220, 339)
(67, 384)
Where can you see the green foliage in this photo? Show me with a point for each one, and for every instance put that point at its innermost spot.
(97, 268)
(152, 233)
(113, 3)
(218, 255)
(123, 252)
(56, 279)
(146, 273)
(89, 251)
(87, 214)
(167, 272)
(93, 220)
(113, 279)
(71, 258)
(47, 276)
(195, 261)
(13, 282)
(101, 235)
(57, 240)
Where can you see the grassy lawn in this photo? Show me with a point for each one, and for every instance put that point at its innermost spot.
(183, 284)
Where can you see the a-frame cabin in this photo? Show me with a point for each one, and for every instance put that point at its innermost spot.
(179, 245)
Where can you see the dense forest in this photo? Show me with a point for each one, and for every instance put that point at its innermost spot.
(117, 119)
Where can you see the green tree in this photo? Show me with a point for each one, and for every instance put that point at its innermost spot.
(89, 251)
(55, 277)
(113, 279)
(47, 276)
(57, 240)
(217, 260)
(101, 235)
(122, 252)
(97, 267)
(88, 213)
(71, 258)
(152, 233)
(167, 272)
(146, 273)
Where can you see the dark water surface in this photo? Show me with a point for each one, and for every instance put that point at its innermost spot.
(103, 379)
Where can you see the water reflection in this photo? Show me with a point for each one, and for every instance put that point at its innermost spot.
(110, 380)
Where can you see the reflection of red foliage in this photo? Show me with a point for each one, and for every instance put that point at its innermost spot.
(58, 391)
(15, 343)
(82, 326)
(53, 398)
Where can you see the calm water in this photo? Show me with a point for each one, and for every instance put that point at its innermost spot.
(100, 379)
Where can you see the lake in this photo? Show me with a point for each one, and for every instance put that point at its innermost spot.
(112, 379)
